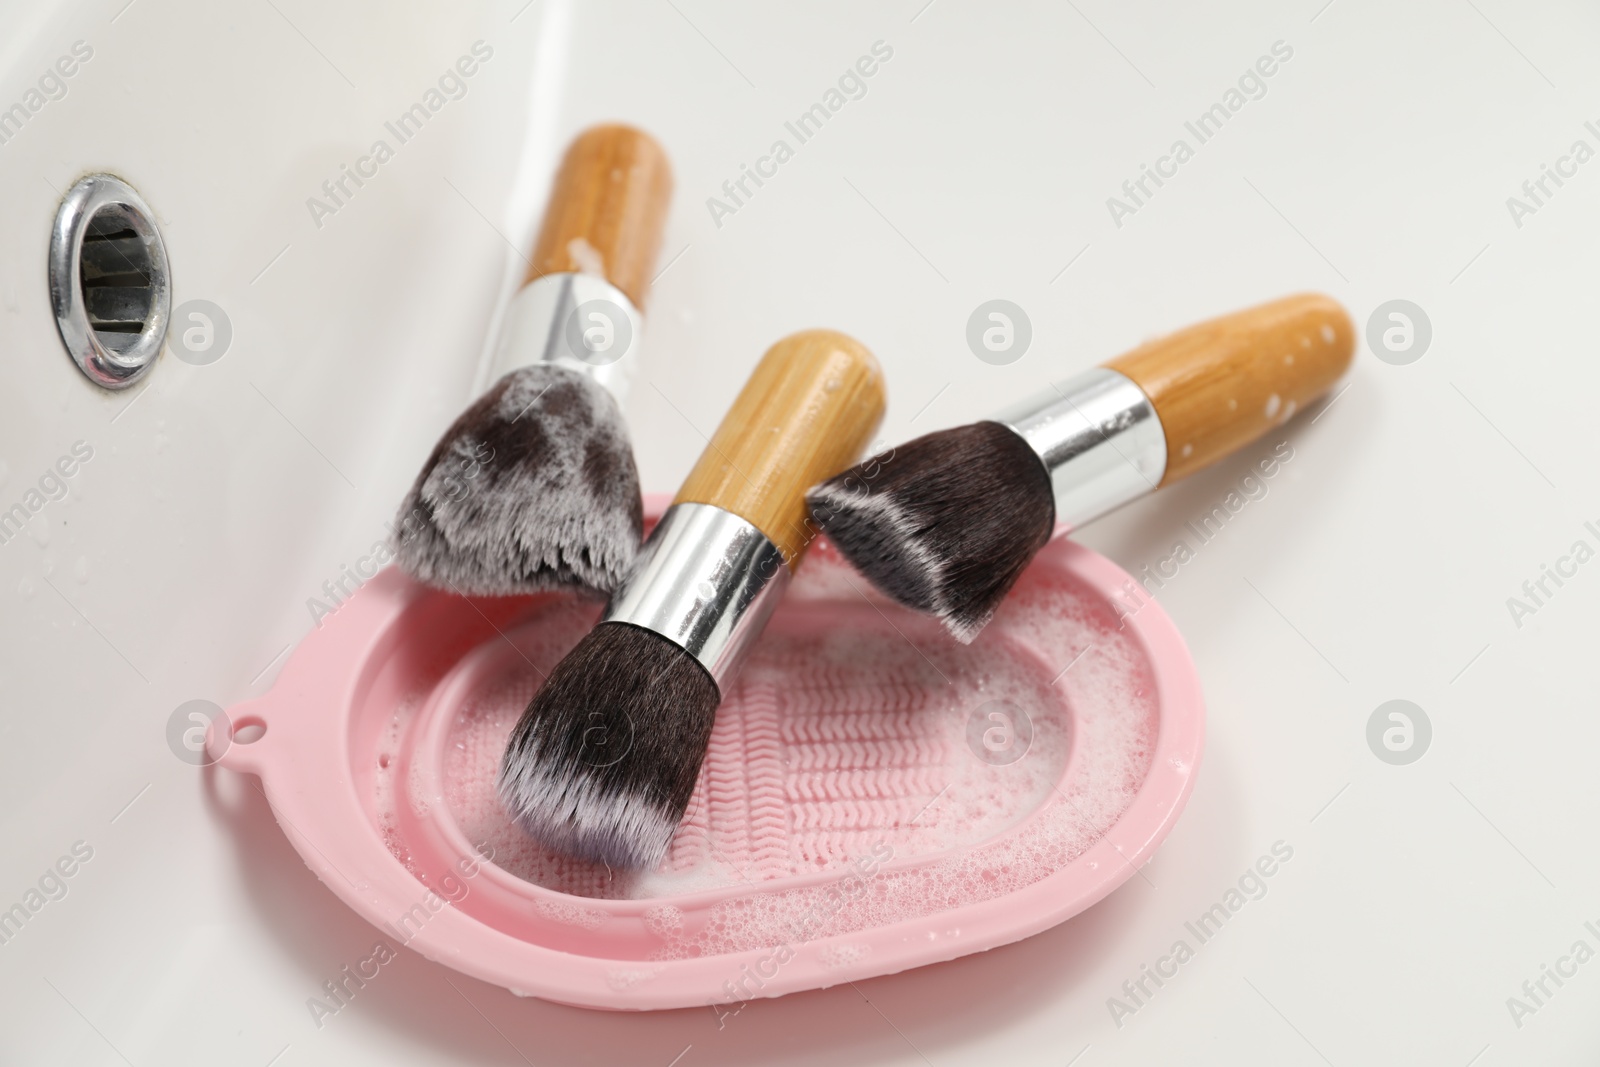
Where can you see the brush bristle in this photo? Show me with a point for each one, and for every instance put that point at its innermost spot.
(603, 761)
(534, 487)
(944, 524)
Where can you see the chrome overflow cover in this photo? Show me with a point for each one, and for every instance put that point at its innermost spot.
(110, 285)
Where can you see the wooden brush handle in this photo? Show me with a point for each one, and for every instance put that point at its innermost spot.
(809, 408)
(607, 210)
(1221, 384)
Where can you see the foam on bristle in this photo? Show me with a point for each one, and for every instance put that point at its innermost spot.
(846, 733)
(533, 487)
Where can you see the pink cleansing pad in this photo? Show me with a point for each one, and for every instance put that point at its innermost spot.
(875, 796)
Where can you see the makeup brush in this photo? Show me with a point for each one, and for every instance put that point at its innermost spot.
(945, 524)
(603, 761)
(534, 486)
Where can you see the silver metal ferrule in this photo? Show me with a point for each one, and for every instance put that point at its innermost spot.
(707, 581)
(579, 321)
(1100, 439)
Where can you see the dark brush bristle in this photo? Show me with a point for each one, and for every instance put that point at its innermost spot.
(603, 761)
(534, 487)
(943, 524)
